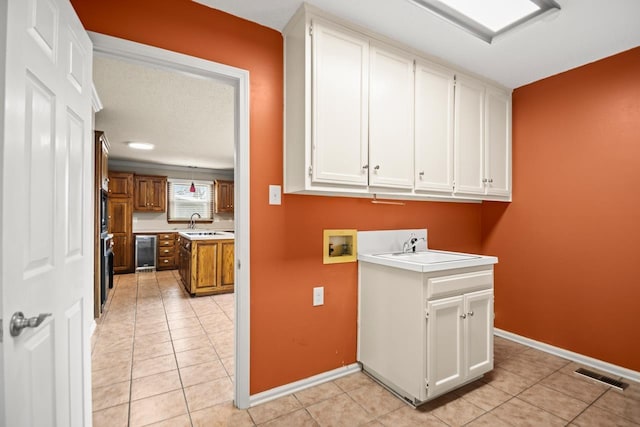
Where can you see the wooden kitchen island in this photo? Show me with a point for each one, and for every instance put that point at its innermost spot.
(206, 262)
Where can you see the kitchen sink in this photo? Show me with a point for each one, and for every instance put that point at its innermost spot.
(426, 257)
(206, 233)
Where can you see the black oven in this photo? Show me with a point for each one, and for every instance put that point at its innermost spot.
(104, 212)
(106, 267)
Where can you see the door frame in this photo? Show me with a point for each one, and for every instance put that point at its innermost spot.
(104, 45)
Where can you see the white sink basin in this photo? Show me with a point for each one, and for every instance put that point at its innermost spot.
(428, 257)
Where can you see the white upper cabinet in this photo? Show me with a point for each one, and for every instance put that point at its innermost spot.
(391, 94)
(469, 136)
(364, 115)
(482, 140)
(340, 81)
(498, 143)
(433, 128)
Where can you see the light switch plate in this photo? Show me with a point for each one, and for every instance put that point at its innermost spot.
(275, 195)
(318, 296)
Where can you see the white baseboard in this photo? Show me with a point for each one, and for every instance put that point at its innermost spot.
(616, 370)
(294, 387)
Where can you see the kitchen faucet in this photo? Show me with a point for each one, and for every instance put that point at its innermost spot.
(410, 244)
(192, 223)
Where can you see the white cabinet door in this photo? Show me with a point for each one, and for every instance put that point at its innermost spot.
(433, 128)
(469, 136)
(445, 341)
(340, 85)
(479, 333)
(498, 143)
(391, 94)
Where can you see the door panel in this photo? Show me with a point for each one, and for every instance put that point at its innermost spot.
(340, 100)
(445, 344)
(468, 136)
(46, 177)
(479, 333)
(498, 142)
(391, 98)
(434, 128)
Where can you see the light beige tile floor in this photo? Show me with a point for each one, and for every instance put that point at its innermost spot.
(163, 358)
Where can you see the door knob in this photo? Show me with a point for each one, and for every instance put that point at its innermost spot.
(19, 322)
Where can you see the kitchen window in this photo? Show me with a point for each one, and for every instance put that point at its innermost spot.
(183, 202)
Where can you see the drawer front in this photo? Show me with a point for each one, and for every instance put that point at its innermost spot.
(166, 262)
(166, 236)
(164, 243)
(457, 284)
(166, 251)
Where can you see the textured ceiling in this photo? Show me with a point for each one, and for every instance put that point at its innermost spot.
(582, 32)
(189, 119)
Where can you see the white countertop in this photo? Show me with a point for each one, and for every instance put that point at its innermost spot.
(206, 235)
(405, 261)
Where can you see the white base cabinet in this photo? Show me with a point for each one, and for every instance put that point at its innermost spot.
(424, 334)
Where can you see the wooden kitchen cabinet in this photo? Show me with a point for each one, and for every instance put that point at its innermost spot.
(166, 248)
(120, 225)
(150, 193)
(224, 195)
(391, 109)
(102, 159)
(120, 184)
(206, 267)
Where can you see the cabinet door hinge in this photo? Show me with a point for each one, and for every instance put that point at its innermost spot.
(426, 313)
(414, 65)
(310, 170)
(238, 264)
(426, 383)
(311, 29)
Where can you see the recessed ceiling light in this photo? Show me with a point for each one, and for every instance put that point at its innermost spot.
(140, 145)
(488, 18)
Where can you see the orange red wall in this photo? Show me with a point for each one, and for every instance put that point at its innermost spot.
(569, 244)
(290, 339)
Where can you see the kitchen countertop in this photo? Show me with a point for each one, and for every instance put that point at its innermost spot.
(219, 235)
(178, 230)
(405, 261)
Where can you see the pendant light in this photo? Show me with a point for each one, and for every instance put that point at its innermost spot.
(192, 189)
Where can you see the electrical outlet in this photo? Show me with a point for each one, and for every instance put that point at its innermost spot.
(275, 195)
(318, 296)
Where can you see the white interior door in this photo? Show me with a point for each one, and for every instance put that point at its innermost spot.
(46, 222)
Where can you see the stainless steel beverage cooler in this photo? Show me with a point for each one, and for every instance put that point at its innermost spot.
(145, 253)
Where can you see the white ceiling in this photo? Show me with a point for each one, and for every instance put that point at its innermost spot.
(189, 119)
(582, 32)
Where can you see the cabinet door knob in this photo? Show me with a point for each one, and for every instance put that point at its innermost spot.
(463, 316)
(377, 167)
(491, 180)
(470, 313)
(365, 167)
(421, 174)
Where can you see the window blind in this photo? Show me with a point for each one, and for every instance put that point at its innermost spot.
(183, 203)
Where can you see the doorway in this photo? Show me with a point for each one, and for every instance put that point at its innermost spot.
(239, 79)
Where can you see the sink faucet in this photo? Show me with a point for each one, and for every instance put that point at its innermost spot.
(410, 244)
(192, 223)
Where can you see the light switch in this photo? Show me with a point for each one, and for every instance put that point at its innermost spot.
(275, 194)
(318, 296)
